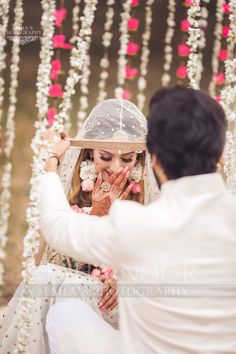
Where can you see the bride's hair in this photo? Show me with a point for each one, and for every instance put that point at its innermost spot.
(84, 199)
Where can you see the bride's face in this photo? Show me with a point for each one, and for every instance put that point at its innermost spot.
(109, 161)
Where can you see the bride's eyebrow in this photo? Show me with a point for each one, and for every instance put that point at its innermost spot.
(128, 153)
(106, 152)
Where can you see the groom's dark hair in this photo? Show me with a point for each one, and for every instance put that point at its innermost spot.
(186, 131)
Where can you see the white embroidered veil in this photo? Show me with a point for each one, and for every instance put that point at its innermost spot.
(113, 123)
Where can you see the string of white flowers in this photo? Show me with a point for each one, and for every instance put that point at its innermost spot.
(42, 148)
(216, 45)
(168, 51)
(4, 10)
(84, 90)
(194, 31)
(84, 82)
(31, 242)
(10, 134)
(106, 42)
(202, 40)
(79, 56)
(228, 96)
(75, 21)
(124, 39)
(142, 82)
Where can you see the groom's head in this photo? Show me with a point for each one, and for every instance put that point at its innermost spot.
(186, 133)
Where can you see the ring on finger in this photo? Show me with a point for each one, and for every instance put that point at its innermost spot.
(105, 187)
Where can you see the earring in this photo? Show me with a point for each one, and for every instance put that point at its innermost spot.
(88, 174)
(135, 177)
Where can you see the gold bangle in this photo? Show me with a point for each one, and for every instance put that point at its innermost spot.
(55, 156)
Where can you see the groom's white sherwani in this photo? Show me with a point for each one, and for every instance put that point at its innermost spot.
(176, 260)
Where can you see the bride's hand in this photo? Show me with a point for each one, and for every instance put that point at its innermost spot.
(101, 200)
(108, 299)
(61, 142)
(60, 145)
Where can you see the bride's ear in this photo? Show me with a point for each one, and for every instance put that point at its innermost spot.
(91, 154)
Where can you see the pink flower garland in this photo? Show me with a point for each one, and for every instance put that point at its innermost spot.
(183, 48)
(219, 77)
(132, 51)
(59, 42)
(59, 15)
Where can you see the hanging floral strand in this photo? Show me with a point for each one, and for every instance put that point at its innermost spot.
(220, 49)
(131, 71)
(202, 40)
(216, 45)
(31, 242)
(183, 48)
(10, 134)
(75, 21)
(142, 82)
(84, 82)
(124, 39)
(59, 44)
(42, 148)
(194, 13)
(78, 59)
(4, 10)
(106, 42)
(168, 51)
(228, 95)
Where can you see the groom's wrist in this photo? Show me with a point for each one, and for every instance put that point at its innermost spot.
(51, 164)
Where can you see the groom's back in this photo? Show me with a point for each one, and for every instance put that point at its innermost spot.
(178, 269)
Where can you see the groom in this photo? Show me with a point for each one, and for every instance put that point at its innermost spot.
(176, 258)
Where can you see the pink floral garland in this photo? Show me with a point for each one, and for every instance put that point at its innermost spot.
(131, 72)
(222, 55)
(59, 43)
(183, 48)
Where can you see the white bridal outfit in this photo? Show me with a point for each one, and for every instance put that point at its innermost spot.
(110, 122)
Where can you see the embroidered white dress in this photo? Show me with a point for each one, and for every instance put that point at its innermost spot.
(52, 283)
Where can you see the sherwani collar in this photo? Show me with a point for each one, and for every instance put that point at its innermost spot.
(211, 182)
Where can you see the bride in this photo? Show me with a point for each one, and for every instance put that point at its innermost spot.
(110, 146)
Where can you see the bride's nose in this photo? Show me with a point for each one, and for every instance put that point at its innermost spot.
(115, 165)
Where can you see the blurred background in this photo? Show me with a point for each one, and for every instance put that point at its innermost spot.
(26, 113)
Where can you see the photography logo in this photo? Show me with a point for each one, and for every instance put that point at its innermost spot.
(25, 34)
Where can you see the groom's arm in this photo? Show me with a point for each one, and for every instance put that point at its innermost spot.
(88, 238)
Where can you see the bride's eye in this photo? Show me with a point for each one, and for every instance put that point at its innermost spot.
(105, 158)
(127, 160)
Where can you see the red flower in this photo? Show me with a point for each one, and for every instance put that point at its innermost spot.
(223, 55)
(133, 24)
(182, 72)
(227, 8)
(54, 75)
(134, 3)
(67, 46)
(187, 3)
(183, 50)
(55, 90)
(218, 99)
(56, 64)
(184, 25)
(225, 31)
(219, 78)
(59, 16)
(130, 73)
(59, 42)
(51, 116)
(127, 95)
(132, 48)
(56, 68)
